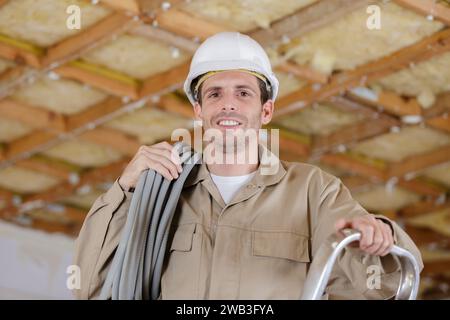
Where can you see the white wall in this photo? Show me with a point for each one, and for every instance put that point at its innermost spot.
(33, 263)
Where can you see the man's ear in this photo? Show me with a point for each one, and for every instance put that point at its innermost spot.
(198, 111)
(267, 111)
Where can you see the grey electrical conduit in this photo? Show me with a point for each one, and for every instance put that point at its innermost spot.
(136, 269)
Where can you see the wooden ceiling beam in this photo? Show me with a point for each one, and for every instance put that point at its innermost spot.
(373, 124)
(169, 80)
(137, 7)
(348, 163)
(356, 182)
(19, 55)
(109, 105)
(41, 118)
(351, 134)
(99, 80)
(32, 116)
(351, 165)
(428, 8)
(421, 208)
(440, 107)
(167, 37)
(100, 32)
(441, 123)
(436, 267)
(419, 162)
(426, 236)
(6, 198)
(293, 146)
(302, 72)
(421, 187)
(28, 143)
(52, 169)
(433, 45)
(118, 140)
(314, 16)
(12, 73)
(125, 5)
(69, 48)
(388, 101)
(154, 6)
(173, 104)
(184, 24)
(92, 177)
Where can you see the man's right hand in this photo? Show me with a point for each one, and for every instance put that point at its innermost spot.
(158, 157)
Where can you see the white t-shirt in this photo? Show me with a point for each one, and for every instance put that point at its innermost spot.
(228, 186)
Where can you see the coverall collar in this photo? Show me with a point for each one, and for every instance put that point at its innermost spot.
(260, 179)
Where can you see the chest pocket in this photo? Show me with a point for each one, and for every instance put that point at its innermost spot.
(180, 277)
(183, 237)
(284, 245)
(276, 267)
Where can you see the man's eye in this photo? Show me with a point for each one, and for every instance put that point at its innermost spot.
(213, 95)
(244, 93)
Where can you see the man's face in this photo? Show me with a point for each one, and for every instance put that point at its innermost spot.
(230, 101)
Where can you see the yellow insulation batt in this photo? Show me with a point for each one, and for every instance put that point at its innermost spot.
(382, 198)
(62, 96)
(84, 154)
(83, 201)
(288, 83)
(319, 119)
(150, 124)
(243, 15)
(437, 221)
(25, 181)
(136, 56)
(11, 130)
(396, 146)
(43, 22)
(348, 42)
(424, 80)
(439, 173)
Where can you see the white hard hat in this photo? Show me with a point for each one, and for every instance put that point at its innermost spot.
(230, 51)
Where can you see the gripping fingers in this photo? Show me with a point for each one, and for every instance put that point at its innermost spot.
(367, 233)
(169, 153)
(378, 239)
(389, 240)
(166, 163)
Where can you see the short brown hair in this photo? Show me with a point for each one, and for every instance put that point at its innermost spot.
(263, 89)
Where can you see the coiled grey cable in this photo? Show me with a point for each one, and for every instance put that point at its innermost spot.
(136, 269)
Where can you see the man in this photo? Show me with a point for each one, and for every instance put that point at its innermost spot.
(239, 233)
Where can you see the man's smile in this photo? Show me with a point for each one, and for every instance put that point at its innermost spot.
(228, 123)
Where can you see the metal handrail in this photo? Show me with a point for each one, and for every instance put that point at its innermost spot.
(323, 262)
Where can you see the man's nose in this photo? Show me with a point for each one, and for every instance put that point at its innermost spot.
(229, 104)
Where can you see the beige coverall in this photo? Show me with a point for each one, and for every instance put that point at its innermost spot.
(259, 246)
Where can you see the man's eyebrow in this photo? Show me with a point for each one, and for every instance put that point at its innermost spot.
(212, 89)
(244, 86)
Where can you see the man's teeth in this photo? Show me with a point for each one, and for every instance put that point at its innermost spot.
(228, 123)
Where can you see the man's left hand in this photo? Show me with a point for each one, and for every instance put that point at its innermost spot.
(376, 235)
